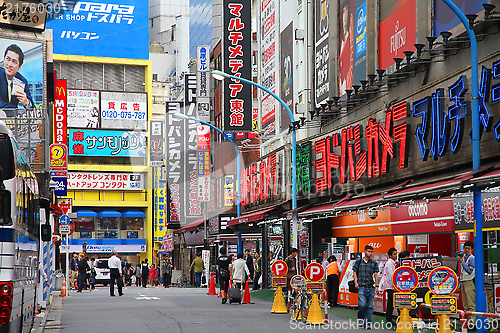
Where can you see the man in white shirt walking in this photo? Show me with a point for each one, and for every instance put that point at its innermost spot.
(239, 270)
(115, 267)
(386, 283)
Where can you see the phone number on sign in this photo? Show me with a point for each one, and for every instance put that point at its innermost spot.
(111, 114)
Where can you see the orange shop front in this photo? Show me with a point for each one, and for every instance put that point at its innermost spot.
(428, 226)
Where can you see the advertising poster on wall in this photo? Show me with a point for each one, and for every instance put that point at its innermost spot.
(321, 51)
(84, 142)
(174, 156)
(124, 110)
(83, 109)
(346, 45)
(237, 52)
(117, 29)
(287, 74)
(446, 20)
(397, 30)
(359, 72)
(268, 73)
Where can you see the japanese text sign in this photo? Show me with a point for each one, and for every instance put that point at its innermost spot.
(121, 110)
(116, 29)
(105, 181)
(156, 134)
(85, 142)
(237, 62)
(24, 14)
(159, 216)
(405, 279)
(442, 281)
(83, 109)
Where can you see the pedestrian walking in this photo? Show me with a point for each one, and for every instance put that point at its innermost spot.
(240, 271)
(73, 271)
(199, 267)
(365, 271)
(225, 267)
(249, 262)
(145, 272)
(291, 262)
(386, 283)
(153, 275)
(467, 279)
(91, 276)
(258, 271)
(138, 273)
(82, 272)
(403, 255)
(332, 278)
(116, 274)
(167, 273)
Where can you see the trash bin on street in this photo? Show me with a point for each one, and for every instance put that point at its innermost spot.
(58, 278)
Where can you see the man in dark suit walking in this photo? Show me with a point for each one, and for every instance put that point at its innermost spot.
(249, 262)
(14, 90)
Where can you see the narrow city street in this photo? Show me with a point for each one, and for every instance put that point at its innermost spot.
(169, 310)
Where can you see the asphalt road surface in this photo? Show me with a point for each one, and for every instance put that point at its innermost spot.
(173, 310)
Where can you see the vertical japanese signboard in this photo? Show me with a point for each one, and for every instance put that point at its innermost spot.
(202, 82)
(156, 152)
(174, 156)
(321, 52)
(60, 113)
(159, 207)
(360, 42)
(237, 61)
(268, 74)
(193, 207)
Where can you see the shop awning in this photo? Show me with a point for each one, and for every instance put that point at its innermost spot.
(436, 187)
(487, 178)
(109, 213)
(190, 227)
(133, 213)
(355, 204)
(255, 216)
(85, 213)
(321, 209)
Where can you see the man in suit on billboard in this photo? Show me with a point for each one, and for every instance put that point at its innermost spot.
(14, 89)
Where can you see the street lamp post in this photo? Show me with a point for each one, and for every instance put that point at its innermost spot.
(219, 75)
(476, 165)
(238, 202)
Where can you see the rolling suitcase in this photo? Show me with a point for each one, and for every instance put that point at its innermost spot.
(234, 295)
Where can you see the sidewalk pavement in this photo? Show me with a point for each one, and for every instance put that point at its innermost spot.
(50, 319)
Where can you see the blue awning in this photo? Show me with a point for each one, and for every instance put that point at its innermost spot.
(133, 213)
(86, 213)
(109, 213)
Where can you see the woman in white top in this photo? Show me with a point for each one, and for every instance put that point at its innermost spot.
(239, 270)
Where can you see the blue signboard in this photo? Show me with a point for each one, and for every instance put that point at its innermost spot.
(107, 28)
(62, 185)
(83, 142)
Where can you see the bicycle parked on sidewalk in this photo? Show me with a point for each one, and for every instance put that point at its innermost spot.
(182, 281)
(299, 304)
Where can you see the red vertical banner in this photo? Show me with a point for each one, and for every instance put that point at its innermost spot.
(237, 62)
(60, 113)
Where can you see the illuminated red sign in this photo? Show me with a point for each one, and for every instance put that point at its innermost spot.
(352, 161)
(259, 181)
